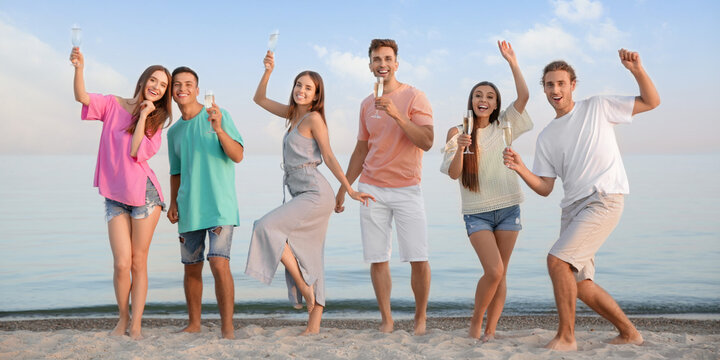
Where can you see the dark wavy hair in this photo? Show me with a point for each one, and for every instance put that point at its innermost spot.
(469, 177)
(317, 105)
(163, 106)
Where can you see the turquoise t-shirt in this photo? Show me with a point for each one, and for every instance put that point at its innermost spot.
(206, 197)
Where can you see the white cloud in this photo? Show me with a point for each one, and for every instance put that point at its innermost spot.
(542, 41)
(345, 64)
(578, 10)
(605, 36)
(42, 115)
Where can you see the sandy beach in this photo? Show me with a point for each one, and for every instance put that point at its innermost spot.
(519, 337)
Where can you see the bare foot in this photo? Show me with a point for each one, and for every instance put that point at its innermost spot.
(309, 331)
(228, 334)
(309, 295)
(191, 329)
(487, 338)
(475, 329)
(419, 326)
(634, 339)
(562, 345)
(121, 327)
(136, 334)
(386, 327)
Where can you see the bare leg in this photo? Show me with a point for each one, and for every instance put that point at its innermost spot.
(142, 233)
(487, 251)
(599, 300)
(119, 229)
(193, 285)
(313, 326)
(382, 284)
(288, 259)
(565, 289)
(420, 283)
(505, 241)
(225, 294)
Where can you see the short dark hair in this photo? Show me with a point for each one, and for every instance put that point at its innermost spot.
(185, 69)
(378, 43)
(558, 65)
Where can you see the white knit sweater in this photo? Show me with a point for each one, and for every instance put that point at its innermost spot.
(498, 186)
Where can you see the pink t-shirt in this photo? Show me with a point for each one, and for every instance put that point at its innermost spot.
(393, 160)
(118, 176)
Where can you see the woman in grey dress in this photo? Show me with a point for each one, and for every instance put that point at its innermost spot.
(294, 233)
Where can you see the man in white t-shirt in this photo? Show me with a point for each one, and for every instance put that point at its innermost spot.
(579, 146)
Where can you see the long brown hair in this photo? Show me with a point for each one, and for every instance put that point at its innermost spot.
(470, 166)
(317, 105)
(163, 106)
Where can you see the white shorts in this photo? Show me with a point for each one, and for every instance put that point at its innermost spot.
(404, 204)
(585, 225)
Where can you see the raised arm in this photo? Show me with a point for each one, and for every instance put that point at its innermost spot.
(540, 184)
(320, 134)
(523, 94)
(261, 98)
(649, 97)
(78, 61)
(147, 107)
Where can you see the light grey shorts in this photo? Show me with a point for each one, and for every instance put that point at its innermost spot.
(585, 225)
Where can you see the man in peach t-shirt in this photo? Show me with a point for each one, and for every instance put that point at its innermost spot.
(388, 159)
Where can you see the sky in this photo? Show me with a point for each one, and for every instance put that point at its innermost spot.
(445, 47)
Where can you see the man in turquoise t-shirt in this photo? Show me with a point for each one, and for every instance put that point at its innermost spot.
(203, 147)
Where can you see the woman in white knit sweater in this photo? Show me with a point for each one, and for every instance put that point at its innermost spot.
(490, 192)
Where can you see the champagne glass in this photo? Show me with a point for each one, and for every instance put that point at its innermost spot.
(272, 42)
(507, 133)
(76, 32)
(209, 100)
(378, 90)
(468, 123)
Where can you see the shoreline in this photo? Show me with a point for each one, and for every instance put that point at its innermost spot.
(506, 323)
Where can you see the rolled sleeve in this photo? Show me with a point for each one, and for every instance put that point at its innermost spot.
(449, 153)
(520, 122)
(96, 109)
(149, 147)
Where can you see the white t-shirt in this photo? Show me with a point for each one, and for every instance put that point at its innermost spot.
(580, 147)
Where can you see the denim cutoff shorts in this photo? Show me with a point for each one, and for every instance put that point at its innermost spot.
(192, 244)
(502, 219)
(152, 198)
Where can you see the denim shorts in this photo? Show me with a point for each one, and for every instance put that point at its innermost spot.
(152, 198)
(192, 244)
(502, 219)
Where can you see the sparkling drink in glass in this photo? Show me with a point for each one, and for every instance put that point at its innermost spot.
(76, 38)
(209, 100)
(468, 128)
(272, 41)
(507, 133)
(378, 90)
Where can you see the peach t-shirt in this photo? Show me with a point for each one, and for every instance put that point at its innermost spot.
(393, 160)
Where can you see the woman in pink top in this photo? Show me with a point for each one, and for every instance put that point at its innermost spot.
(130, 136)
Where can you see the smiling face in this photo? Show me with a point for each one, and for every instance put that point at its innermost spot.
(383, 63)
(484, 101)
(185, 88)
(558, 89)
(156, 86)
(304, 92)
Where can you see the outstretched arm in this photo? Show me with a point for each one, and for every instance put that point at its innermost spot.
(320, 134)
(260, 97)
(353, 171)
(523, 94)
(78, 61)
(540, 184)
(649, 97)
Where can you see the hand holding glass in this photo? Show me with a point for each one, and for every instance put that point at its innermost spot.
(468, 128)
(378, 90)
(76, 32)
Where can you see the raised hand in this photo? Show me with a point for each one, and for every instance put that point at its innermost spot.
(76, 58)
(507, 51)
(463, 141)
(146, 107)
(215, 117)
(512, 160)
(269, 61)
(630, 59)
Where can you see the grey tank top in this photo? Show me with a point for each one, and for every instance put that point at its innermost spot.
(299, 151)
